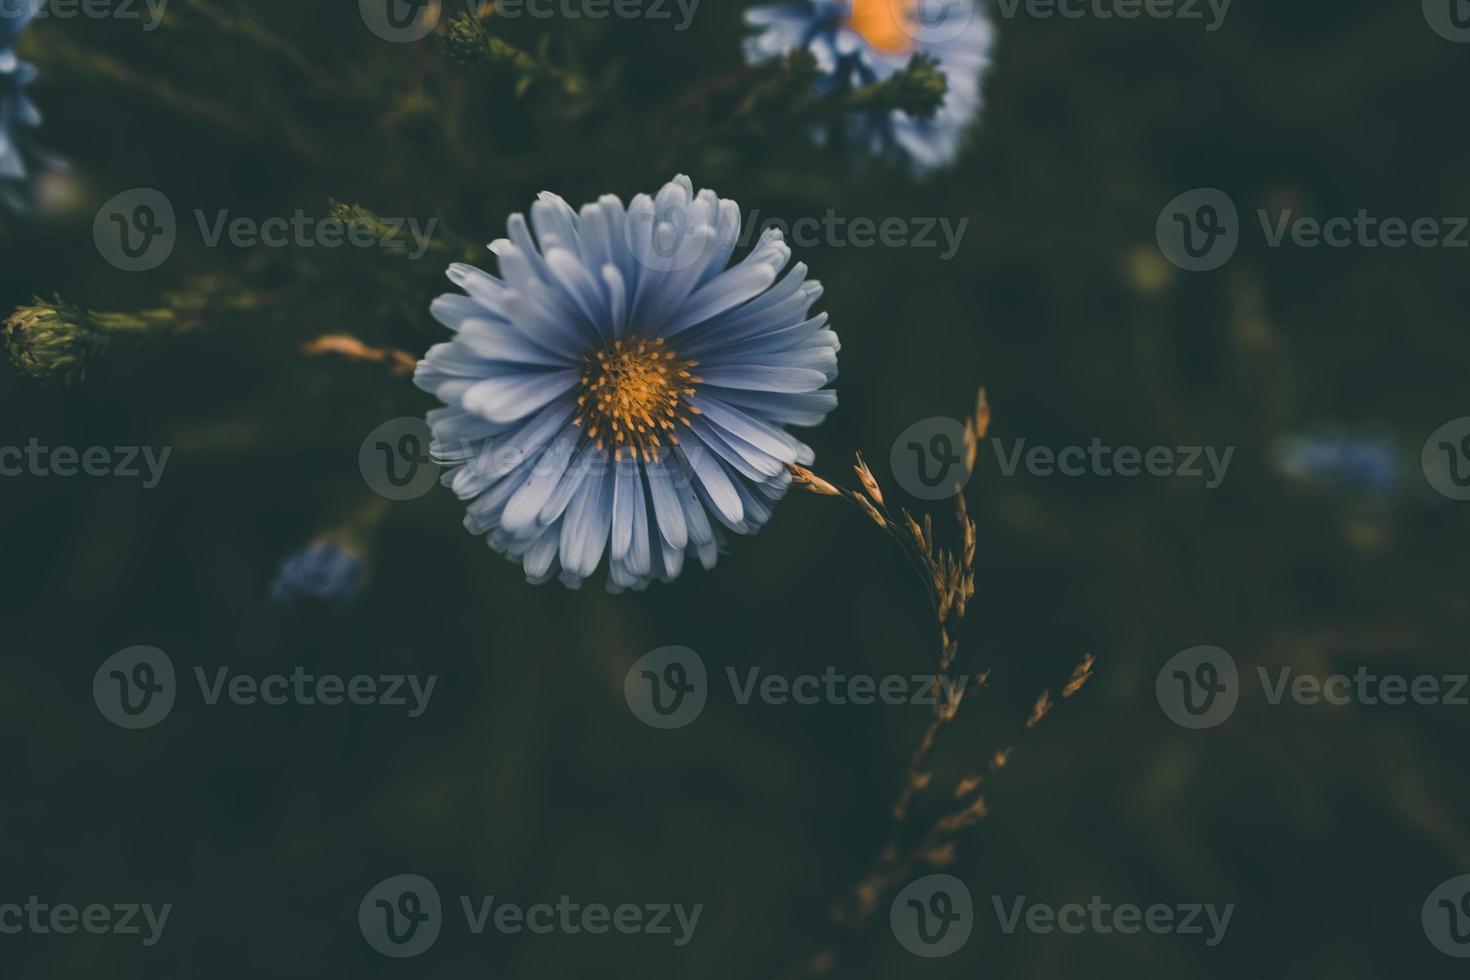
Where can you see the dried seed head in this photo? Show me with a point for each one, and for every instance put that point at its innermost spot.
(807, 480)
(980, 425)
(967, 785)
(937, 855)
(915, 532)
(869, 482)
(1080, 676)
(870, 510)
(1039, 710)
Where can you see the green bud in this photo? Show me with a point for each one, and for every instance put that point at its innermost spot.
(921, 88)
(52, 341)
(918, 90)
(467, 41)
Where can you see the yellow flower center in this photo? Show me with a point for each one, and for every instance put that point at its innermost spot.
(632, 395)
(884, 24)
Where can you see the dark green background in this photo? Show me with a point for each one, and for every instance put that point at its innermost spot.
(529, 778)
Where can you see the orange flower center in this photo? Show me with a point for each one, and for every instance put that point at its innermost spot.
(633, 394)
(884, 24)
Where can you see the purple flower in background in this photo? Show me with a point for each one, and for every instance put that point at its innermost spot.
(622, 389)
(1341, 462)
(861, 42)
(323, 571)
(16, 110)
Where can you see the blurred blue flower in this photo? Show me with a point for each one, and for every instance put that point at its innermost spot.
(16, 110)
(622, 388)
(14, 16)
(323, 571)
(861, 42)
(1341, 462)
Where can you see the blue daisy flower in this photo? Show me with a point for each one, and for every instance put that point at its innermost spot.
(323, 571)
(16, 110)
(1337, 461)
(622, 388)
(14, 16)
(861, 42)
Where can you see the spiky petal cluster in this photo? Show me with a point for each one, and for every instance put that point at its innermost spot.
(622, 389)
(861, 42)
